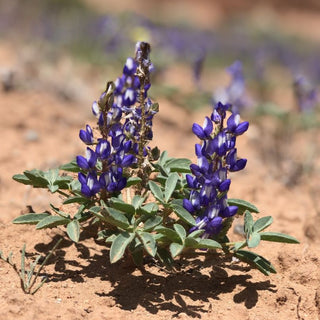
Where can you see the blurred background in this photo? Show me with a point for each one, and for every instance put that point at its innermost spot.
(262, 56)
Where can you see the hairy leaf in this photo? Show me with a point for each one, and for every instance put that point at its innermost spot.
(253, 240)
(208, 244)
(256, 261)
(51, 221)
(183, 214)
(73, 230)
(278, 237)
(119, 245)
(156, 191)
(243, 206)
(180, 231)
(149, 243)
(170, 186)
(151, 223)
(262, 223)
(169, 233)
(30, 218)
(175, 249)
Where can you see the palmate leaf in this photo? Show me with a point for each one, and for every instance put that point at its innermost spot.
(256, 261)
(278, 237)
(243, 206)
(119, 245)
(33, 177)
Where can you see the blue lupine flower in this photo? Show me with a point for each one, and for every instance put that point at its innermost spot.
(86, 135)
(209, 182)
(89, 161)
(119, 118)
(89, 184)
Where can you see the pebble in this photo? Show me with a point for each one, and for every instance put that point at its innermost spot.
(32, 135)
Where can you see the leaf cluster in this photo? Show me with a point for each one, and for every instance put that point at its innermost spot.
(150, 223)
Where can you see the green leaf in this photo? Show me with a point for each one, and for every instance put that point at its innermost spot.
(112, 216)
(196, 233)
(122, 206)
(73, 230)
(51, 175)
(30, 218)
(256, 261)
(164, 257)
(33, 177)
(137, 255)
(156, 191)
(137, 201)
(149, 243)
(183, 214)
(170, 186)
(242, 206)
(76, 199)
(132, 181)
(178, 165)
(149, 208)
(169, 233)
(59, 212)
(119, 245)
(53, 188)
(163, 158)
(191, 242)
(180, 231)
(175, 249)
(253, 240)
(151, 223)
(71, 166)
(278, 237)
(51, 221)
(208, 244)
(239, 245)
(75, 185)
(262, 223)
(248, 224)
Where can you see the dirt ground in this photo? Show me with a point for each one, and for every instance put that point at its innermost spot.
(39, 129)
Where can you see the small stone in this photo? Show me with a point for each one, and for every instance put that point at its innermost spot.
(32, 135)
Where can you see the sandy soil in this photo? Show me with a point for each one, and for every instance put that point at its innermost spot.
(39, 129)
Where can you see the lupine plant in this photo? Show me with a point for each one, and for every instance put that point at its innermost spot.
(141, 202)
